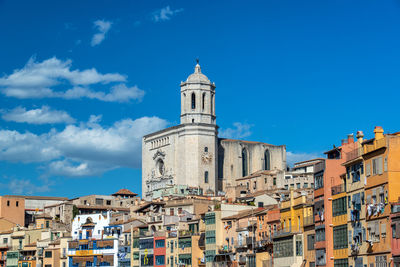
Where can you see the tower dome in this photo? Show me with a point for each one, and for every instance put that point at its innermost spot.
(197, 98)
(197, 76)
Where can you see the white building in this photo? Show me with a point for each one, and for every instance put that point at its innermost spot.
(192, 154)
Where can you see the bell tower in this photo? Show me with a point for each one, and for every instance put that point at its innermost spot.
(198, 99)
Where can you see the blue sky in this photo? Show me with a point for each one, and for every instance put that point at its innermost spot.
(82, 81)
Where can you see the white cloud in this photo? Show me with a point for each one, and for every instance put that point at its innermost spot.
(81, 150)
(102, 26)
(41, 115)
(25, 187)
(240, 130)
(165, 13)
(293, 157)
(44, 79)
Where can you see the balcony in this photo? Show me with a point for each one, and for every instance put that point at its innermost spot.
(376, 144)
(225, 249)
(244, 243)
(337, 189)
(183, 233)
(355, 153)
(308, 220)
(283, 232)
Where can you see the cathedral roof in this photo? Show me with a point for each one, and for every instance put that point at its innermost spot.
(197, 76)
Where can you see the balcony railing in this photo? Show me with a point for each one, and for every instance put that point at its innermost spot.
(308, 220)
(375, 145)
(355, 153)
(337, 189)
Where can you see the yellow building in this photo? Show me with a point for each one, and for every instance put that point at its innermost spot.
(381, 157)
(289, 240)
(356, 224)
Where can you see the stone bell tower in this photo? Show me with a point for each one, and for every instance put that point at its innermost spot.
(197, 99)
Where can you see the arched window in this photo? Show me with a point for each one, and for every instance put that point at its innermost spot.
(212, 104)
(204, 100)
(206, 177)
(205, 149)
(244, 162)
(193, 101)
(267, 160)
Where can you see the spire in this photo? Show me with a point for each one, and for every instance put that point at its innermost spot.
(197, 69)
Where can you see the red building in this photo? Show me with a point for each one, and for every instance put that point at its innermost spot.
(160, 251)
(395, 222)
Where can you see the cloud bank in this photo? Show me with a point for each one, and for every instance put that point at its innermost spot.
(53, 78)
(43, 115)
(87, 149)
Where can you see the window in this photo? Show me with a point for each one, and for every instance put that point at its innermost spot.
(210, 237)
(193, 101)
(179, 210)
(108, 202)
(210, 218)
(283, 248)
(47, 254)
(17, 203)
(206, 149)
(244, 162)
(380, 261)
(206, 177)
(47, 224)
(210, 255)
(5, 240)
(171, 211)
(299, 247)
(319, 181)
(8, 203)
(310, 242)
(274, 181)
(340, 237)
(160, 260)
(320, 257)
(286, 187)
(377, 166)
(305, 185)
(298, 185)
(160, 243)
(368, 169)
(339, 206)
(99, 201)
(341, 263)
(267, 160)
(320, 234)
(203, 100)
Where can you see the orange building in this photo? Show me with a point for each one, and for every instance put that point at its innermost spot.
(327, 174)
(12, 208)
(381, 156)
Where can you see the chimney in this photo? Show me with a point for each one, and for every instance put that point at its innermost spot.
(360, 136)
(350, 138)
(378, 132)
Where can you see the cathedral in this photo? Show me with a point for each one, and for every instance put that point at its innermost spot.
(189, 158)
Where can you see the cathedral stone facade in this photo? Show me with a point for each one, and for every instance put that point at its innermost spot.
(191, 157)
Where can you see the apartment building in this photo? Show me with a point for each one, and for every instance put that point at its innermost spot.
(381, 156)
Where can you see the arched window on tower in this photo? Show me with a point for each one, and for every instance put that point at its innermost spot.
(206, 177)
(244, 162)
(212, 105)
(193, 101)
(267, 160)
(204, 101)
